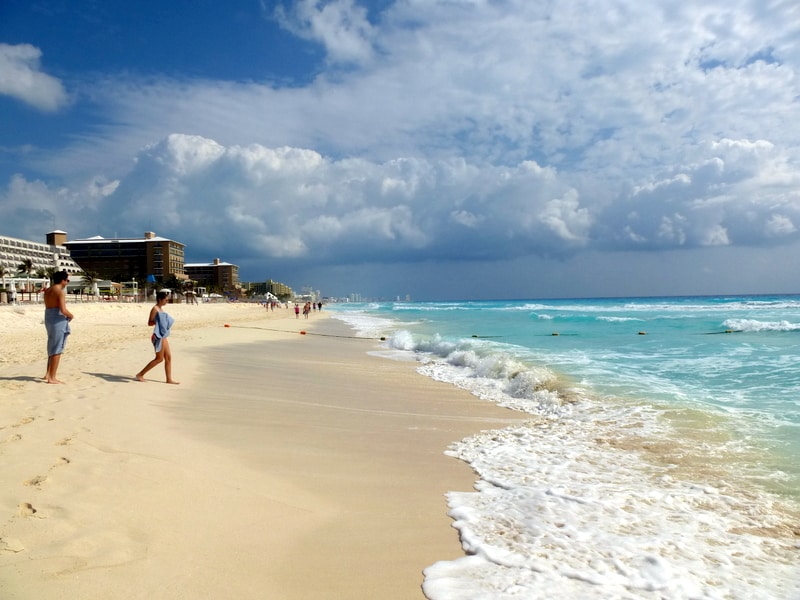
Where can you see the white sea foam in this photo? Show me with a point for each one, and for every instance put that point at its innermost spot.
(615, 499)
(365, 324)
(570, 505)
(561, 511)
(619, 319)
(755, 325)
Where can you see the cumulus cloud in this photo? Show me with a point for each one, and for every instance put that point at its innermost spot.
(21, 77)
(254, 202)
(295, 203)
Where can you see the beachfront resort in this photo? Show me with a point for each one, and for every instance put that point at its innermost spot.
(121, 268)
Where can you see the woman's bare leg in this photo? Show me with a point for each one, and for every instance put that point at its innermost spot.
(168, 362)
(157, 360)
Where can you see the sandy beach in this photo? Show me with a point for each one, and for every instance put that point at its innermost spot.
(285, 465)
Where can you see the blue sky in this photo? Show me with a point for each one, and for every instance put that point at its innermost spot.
(442, 149)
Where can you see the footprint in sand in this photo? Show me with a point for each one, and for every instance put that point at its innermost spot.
(14, 438)
(36, 481)
(65, 442)
(11, 545)
(24, 421)
(62, 460)
(26, 509)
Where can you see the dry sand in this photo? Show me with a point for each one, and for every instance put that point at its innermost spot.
(284, 466)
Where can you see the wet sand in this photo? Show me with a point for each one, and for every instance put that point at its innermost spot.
(284, 465)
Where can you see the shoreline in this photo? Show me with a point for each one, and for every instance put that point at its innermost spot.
(327, 483)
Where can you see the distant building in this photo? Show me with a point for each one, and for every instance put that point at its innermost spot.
(214, 275)
(262, 288)
(127, 259)
(53, 254)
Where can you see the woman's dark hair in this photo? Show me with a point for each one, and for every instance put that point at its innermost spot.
(161, 295)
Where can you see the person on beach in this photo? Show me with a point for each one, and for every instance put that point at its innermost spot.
(56, 321)
(296, 311)
(162, 324)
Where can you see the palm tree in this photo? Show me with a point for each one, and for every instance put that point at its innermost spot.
(3, 272)
(88, 279)
(25, 267)
(177, 286)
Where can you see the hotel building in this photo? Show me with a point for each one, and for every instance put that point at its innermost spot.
(262, 288)
(127, 259)
(214, 275)
(53, 254)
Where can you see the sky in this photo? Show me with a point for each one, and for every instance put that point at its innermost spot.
(437, 149)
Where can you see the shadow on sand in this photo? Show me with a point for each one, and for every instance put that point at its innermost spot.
(111, 377)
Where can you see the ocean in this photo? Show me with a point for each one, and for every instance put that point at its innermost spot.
(659, 458)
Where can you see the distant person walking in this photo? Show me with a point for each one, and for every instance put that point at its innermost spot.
(162, 325)
(296, 311)
(56, 321)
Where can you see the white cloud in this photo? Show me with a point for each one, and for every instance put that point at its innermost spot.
(566, 218)
(779, 225)
(341, 26)
(21, 78)
(466, 218)
(715, 236)
(672, 229)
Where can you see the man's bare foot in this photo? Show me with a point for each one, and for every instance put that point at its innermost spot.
(138, 377)
(174, 382)
(53, 380)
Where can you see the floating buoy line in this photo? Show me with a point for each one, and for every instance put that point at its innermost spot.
(304, 332)
(474, 335)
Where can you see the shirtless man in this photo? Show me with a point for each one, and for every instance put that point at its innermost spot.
(56, 319)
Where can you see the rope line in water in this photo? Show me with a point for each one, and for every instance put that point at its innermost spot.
(476, 336)
(303, 332)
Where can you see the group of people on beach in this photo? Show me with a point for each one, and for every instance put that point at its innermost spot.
(307, 308)
(57, 318)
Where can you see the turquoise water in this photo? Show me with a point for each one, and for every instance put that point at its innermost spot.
(679, 417)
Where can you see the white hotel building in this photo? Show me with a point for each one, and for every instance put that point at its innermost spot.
(14, 251)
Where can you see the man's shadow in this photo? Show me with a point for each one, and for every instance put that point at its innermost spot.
(110, 377)
(22, 378)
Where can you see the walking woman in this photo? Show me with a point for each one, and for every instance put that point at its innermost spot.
(162, 324)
